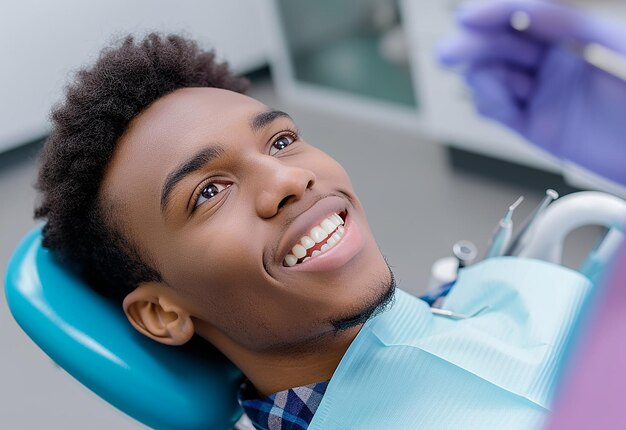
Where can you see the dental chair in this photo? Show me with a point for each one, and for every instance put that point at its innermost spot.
(189, 387)
(164, 387)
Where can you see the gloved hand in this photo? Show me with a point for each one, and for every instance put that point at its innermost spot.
(535, 84)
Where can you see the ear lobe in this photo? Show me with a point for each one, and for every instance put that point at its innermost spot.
(154, 313)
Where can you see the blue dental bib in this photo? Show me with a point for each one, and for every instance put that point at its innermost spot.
(409, 369)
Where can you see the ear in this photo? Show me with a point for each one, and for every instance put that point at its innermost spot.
(152, 309)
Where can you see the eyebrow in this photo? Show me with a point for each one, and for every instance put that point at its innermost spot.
(193, 164)
(206, 155)
(263, 119)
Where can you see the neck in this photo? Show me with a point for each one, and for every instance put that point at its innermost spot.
(271, 372)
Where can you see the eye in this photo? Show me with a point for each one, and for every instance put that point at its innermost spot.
(209, 191)
(282, 142)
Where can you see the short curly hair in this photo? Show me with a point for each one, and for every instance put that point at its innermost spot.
(101, 102)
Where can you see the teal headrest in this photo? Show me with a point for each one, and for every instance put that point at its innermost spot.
(164, 387)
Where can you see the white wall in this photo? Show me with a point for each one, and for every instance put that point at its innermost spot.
(42, 41)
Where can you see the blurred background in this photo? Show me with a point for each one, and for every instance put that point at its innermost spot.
(360, 79)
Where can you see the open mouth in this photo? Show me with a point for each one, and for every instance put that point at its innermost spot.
(319, 240)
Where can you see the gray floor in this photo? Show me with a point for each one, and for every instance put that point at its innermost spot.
(417, 205)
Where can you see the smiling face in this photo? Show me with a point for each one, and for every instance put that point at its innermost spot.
(226, 201)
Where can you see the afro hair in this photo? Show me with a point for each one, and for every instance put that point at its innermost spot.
(98, 107)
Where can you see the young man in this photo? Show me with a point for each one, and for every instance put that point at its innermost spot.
(207, 213)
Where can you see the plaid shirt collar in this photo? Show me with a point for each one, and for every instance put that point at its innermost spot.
(291, 409)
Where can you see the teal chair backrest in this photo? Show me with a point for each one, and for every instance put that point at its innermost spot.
(164, 387)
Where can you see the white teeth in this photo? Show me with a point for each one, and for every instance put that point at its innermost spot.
(328, 226)
(307, 242)
(291, 260)
(321, 231)
(318, 234)
(334, 223)
(299, 251)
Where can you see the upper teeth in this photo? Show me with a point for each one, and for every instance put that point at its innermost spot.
(331, 226)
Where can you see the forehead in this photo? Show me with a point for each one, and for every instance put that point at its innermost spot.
(170, 129)
(186, 115)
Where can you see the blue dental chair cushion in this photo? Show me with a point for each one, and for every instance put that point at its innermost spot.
(164, 387)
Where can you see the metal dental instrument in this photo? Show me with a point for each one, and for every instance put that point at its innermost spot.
(502, 234)
(465, 252)
(524, 234)
(595, 54)
(454, 315)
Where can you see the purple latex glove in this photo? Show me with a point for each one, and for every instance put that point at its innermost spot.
(533, 83)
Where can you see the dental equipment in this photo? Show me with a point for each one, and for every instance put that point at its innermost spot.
(446, 270)
(571, 212)
(465, 252)
(502, 234)
(524, 233)
(594, 265)
(455, 315)
(595, 54)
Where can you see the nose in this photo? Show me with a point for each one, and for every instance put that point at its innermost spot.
(278, 184)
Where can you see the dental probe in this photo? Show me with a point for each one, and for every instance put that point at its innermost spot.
(502, 234)
(454, 315)
(522, 237)
(603, 58)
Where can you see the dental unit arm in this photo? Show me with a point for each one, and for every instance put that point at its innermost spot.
(546, 239)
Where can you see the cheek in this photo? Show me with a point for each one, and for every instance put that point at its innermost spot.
(205, 262)
(222, 279)
(220, 271)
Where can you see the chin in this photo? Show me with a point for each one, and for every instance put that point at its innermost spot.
(377, 295)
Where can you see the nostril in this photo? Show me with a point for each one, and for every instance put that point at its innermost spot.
(284, 201)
